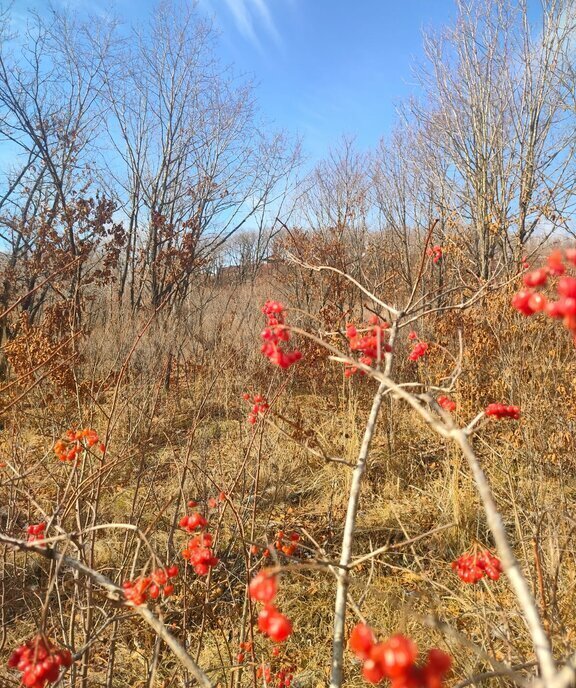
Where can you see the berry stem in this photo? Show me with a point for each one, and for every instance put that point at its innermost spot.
(338, 642)
(348, 539)
(510, 564)
(115, 593)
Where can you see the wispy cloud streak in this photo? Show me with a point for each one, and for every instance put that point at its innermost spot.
(250, 16)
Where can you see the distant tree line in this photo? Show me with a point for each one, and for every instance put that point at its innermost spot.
(134, 156)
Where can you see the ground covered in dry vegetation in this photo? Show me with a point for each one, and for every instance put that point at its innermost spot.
(170, 409)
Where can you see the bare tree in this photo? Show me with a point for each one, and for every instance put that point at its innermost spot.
(494, 106)
(409, 192)
(50, 115)
(195, 163)
(335, 205)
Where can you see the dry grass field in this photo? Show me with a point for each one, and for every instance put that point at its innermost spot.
(165, 394)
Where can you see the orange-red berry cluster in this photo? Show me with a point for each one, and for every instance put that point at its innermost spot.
(446, 403)
(502, 411)
(525, 263)
(435, 252)
(263, 588)
(244, 647)
(144, 587)
(199, 553)
(395, 659)
(372, 345)
(193, 522)
(275, 335)
(255, 550)
(76, 441)
(420, 349)
(214, 502)
(287, 544)
(281, 679)
(260, 405)
(528, 301)
(471, 568)
(36, 532)
(39, 661)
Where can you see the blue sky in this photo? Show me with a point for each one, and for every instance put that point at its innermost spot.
(328, 67)
(322, 68)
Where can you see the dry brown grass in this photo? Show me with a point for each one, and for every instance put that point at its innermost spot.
(178, 431)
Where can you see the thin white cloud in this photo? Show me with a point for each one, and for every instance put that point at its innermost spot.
(252, 15)
(243, 19)
(266, 16)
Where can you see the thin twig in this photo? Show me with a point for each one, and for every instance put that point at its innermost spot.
(115, 593)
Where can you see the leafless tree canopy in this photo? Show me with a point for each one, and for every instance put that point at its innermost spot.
(167, 145)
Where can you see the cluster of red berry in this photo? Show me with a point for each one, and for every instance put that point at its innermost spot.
(503, 411)
(470, 568)
(446, 403)
(213, 502)
(193, 522)
(39, 661)
(435, 252)
(199, 549)
(275, 334)
(244, 647)
(281, 679)
(263, 588)
(274, 624)
(199, 553)
(264, 671)
(36, 533)
(528, 301)
(372, 345)
(153, 586)
(287, 544)
(395, 659)
(76, 441)
(420, 349)
(255, 550)
(260, 405)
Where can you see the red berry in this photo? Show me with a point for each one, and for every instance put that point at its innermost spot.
(555, 263)
(398, 653)
(537, 302)
(279, 628)
(264, 617)
(567, 286)
(441, 661)
(535, 278)
(361, 640)
(263, 587)
(520, 301)
(372, 671)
